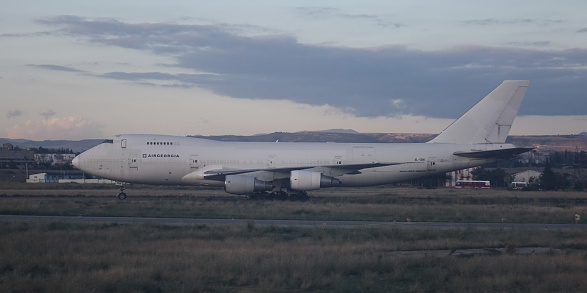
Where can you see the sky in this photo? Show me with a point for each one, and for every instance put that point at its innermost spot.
(91, 69)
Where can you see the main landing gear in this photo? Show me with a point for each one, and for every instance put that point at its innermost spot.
(121, 195)
(280, 195)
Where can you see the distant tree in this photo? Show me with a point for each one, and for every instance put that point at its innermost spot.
(63, 151)
(566, 158)
(497, 177)
(42, 150)
(533, 184)
(62, 167)
(42, 166)
(434, 181)
(579, 186)
(548, 179)
(511, 163)
(430, 182)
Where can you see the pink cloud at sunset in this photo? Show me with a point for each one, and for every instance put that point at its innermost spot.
(55, 128)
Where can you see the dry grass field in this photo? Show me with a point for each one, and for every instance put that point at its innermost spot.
(374, 204)
(84, 257)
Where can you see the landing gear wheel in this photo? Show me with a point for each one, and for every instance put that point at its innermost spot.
(301, 196)
(280, 195)
(122, 196)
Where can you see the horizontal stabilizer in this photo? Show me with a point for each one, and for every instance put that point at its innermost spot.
(497, 154)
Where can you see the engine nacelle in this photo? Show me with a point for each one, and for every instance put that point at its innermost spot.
(309, 180)
(241, 184)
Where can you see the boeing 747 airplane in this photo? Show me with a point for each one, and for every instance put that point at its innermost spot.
(290, 169)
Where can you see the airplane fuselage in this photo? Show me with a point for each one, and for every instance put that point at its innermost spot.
(160, 159)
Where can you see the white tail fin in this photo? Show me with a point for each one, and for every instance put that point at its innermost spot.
(490, 120)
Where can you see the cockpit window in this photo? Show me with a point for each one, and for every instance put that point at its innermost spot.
(108, 141)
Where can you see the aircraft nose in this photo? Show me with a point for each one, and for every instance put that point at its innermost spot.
(76, 162)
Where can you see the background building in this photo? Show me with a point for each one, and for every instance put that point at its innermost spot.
(464, 174)
(525, 176)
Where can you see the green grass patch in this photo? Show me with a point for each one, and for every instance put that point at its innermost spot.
(318, 208)
(81, 257)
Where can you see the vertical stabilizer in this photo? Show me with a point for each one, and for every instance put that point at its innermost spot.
(490, 120)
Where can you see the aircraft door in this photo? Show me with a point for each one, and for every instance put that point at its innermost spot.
(133, 161)
(123, 143)
(431, 162)
(194, 161)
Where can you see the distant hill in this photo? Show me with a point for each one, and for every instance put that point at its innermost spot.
(326, 137)
(321, 131)
(76, 146)
(335, 131)
(551, 142)
(540, 142)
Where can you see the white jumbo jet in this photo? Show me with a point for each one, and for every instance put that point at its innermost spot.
(290, 169)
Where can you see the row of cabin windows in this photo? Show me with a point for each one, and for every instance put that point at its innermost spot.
(159, 143)
(218, 162)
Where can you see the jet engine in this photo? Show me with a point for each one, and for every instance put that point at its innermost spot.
(241, 184)
(309, 180)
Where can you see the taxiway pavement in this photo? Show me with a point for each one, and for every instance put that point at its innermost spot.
(295, 223)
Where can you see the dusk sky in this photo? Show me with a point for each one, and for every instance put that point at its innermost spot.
(81, 69)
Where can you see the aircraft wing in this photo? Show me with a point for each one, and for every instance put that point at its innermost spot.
(498, 154)
(219, 174)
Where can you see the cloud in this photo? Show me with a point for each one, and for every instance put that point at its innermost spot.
(583, 30)
(14, 113)
(327, 12)
(55, 67)
(531, 44)
(54, 128)
(496, 21)
(47, 113)
(441, 83)
(20, 35)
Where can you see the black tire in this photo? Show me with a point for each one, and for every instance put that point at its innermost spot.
(122, 196)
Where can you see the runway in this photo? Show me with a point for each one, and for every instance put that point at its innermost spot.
(297, 223)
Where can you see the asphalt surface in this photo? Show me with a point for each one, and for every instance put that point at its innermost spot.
(295, 223)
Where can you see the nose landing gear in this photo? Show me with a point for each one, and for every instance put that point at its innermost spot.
(121, 195)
